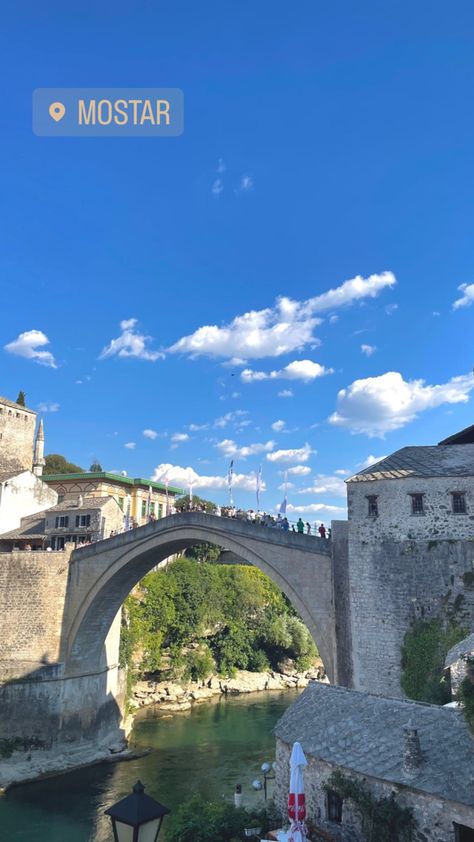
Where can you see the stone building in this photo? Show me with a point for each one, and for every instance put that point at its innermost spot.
(408, 555)
(22, 491)
(77, 522)
(456, 661)
(422, 756)
(137, 498)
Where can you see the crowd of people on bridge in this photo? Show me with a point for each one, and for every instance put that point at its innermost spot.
(260, 518)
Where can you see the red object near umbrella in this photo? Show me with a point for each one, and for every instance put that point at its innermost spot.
(296, 797)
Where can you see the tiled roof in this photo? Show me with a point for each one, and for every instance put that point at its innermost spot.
(13, 472)
(14, 405)
(365, 733)
(85, 476)
(464, 647)
(87, 503)
(31, 527)
(436, 461)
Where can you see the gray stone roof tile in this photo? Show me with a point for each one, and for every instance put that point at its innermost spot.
(436, 461)
(464, 647)
(365, 733)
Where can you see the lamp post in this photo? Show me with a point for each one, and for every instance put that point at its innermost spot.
(137, 817)
(268, 770)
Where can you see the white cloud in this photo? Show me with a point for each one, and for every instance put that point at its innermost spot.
(178, 438)
(48, 407)
(300, 454)
(368, 350)
(285, 485)
(217, 187)
(246, 184)
(371, 460)
(326, 485)
(285, 393)
(467, 297)
(130, 445)
(26, 345)
(377, 405)
(342, 472)
(232, 450)
(150, 434)
(322, 509)
(196, 428)
(299, 470)
(184, 477)
(305, 370)
(436, 313)
(221, 167)
(390, 309)
(333, 319)
(278, 426)
(287, 326)
(131, 343)
(237, 417)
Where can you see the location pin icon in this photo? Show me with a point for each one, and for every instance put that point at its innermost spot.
(57, 111)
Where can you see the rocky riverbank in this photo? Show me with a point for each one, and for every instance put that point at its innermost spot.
(172, 697)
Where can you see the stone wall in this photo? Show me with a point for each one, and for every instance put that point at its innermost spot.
(17, 434)
(61, 721)
(403, 568)
(434, 816)
(32, 595)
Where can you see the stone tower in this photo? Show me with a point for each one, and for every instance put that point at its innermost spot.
(38, 461)
(17, 435)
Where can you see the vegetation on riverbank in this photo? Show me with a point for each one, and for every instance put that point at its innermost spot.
(198, 820)
(190, 620)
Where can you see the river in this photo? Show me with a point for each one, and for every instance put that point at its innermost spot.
(208, 750)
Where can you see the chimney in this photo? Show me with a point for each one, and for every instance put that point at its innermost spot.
(412, 757)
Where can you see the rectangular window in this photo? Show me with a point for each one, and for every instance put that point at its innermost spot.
(143, 508)
(62, 521)
(417, 504)
(160, 509)
(459, 502)
(83, 520)
(120, 502)
(334, 806)
(60, 498)
(372, 506)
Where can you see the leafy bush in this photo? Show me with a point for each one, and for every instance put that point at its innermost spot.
(424, 651)
(198, 820)
(382, 819)
(199, 663)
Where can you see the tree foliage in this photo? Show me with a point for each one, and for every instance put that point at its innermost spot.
(383, 819)
(198, 618)
(21, 399)
(198, 820)
(198, 502)
(96, 467)
(57, 464)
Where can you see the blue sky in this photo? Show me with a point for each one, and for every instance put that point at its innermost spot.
(182, 286)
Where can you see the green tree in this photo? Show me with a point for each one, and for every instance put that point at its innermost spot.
(424, 651)
(57, 464)
(21, 399)
(184, 501)
(95, 468)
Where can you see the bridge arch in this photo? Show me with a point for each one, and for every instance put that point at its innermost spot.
(103, 575)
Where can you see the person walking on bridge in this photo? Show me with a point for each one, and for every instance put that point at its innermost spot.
(300, 526)
(322, 531)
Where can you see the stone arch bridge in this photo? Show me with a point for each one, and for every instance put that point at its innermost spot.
(103, 574)
(61, 689)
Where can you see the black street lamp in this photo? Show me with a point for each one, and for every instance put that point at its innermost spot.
(137, 817)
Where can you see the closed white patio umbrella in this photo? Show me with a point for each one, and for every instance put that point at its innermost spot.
(296, 797)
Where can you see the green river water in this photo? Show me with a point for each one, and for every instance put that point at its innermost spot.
(208, 749)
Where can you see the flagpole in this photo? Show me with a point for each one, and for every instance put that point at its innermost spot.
(230, 482)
